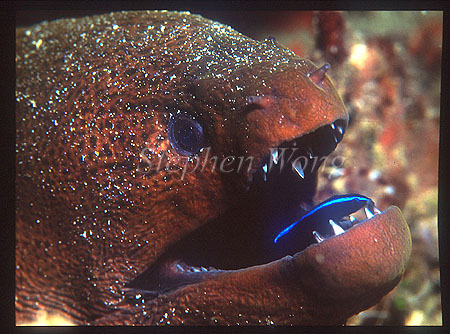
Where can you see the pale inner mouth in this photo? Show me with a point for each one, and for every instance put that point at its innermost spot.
(281, 193)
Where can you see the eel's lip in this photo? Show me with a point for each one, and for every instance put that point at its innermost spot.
(365, 262)
(355, 251)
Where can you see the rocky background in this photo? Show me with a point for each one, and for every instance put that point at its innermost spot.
(387, 68)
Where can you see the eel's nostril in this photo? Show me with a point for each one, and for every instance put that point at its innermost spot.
(262, 101)
(318, 75)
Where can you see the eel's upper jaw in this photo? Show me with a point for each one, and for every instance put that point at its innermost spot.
(304, 153)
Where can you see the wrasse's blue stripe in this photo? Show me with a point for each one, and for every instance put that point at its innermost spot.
(321, 206)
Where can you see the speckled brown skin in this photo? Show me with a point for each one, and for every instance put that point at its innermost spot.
(91, 94)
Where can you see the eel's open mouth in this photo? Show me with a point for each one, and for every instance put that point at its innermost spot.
(262, 231)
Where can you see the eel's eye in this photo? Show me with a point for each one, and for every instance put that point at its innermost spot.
(185, 134)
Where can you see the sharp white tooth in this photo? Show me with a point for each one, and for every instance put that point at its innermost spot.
(369, 214)
(304, 206)
(264, 168)
(298, 168)
(340, 129)
(180, 268)
(318, 237)
(332, 126)
(352, 219)
(375, 209)
(336, 228)
(196, 270)
(275, 156)
(309, 152)
(335, 139)
(204, 269)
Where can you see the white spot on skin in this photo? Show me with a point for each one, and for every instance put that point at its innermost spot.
(320, 258)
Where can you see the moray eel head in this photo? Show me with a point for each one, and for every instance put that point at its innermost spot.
(158, 156)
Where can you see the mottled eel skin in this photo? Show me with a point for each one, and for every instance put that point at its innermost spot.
(91, 94)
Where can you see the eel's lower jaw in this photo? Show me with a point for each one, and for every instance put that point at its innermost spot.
(339, 276)
(357, 268)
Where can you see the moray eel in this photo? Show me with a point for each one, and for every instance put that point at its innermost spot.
(150, 185)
